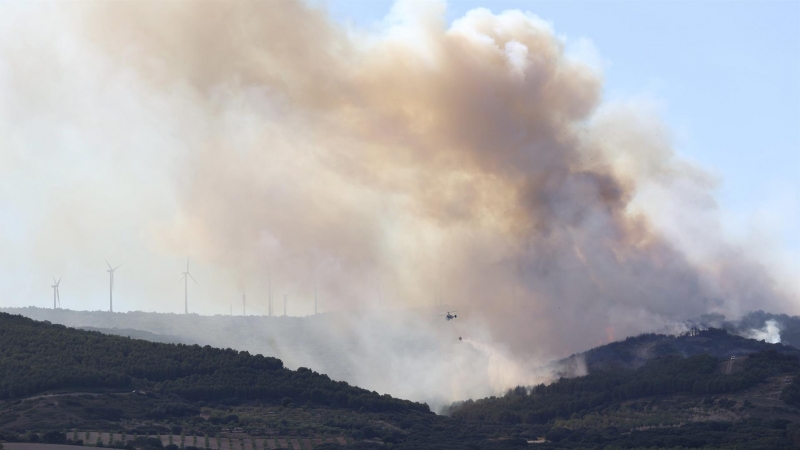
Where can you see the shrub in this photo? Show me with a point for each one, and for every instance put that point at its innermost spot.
(54, 437)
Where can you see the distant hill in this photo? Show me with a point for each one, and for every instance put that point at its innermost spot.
(634, 352)
(39, 356)
(321, 341)
(359, 347)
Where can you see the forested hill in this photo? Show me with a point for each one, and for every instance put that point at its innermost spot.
(38, 356)
(635, 351)
(696, 376)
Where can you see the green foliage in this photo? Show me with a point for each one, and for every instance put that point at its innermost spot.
(697, 375)
(54, 437)
(791, 395)
(38, 356)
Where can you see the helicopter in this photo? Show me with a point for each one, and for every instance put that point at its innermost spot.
(449, 316)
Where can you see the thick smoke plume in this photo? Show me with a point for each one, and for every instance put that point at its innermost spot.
(472, 162)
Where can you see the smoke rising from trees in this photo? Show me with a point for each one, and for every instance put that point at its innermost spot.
(475, 159)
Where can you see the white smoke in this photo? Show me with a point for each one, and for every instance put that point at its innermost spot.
(771, 332)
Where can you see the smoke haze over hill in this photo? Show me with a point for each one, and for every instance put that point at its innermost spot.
(474, 162)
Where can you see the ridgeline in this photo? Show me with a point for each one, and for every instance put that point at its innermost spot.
(39, 357)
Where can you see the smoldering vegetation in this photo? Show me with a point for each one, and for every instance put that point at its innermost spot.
(474, 160)
(759, 325)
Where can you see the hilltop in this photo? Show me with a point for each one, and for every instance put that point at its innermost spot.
(635, 351)
(756, 325)
(39, 357)
(315, 341)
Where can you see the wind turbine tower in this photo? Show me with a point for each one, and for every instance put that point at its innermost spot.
(55, 293)
(284, 304)
(185, 278)
(315, 299)
(269, 294)
(111, 286)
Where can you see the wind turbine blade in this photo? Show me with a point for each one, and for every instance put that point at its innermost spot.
(115, 268)
(190, 275)
(59, 280)
(187, 263)
(181, 279)
(54, 278)
(109, 264)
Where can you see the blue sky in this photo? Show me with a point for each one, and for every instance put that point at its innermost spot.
(725, 75)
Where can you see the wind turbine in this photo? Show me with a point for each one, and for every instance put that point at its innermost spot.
(55, 293)
(284, 305)
(185, 278)
(269, 293)
(111, 286)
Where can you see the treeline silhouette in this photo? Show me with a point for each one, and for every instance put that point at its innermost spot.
(38, 356)
(698, 375)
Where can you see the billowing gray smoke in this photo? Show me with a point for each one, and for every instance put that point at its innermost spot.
(473, 161)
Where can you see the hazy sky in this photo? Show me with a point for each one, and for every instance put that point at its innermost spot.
(144, 142)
